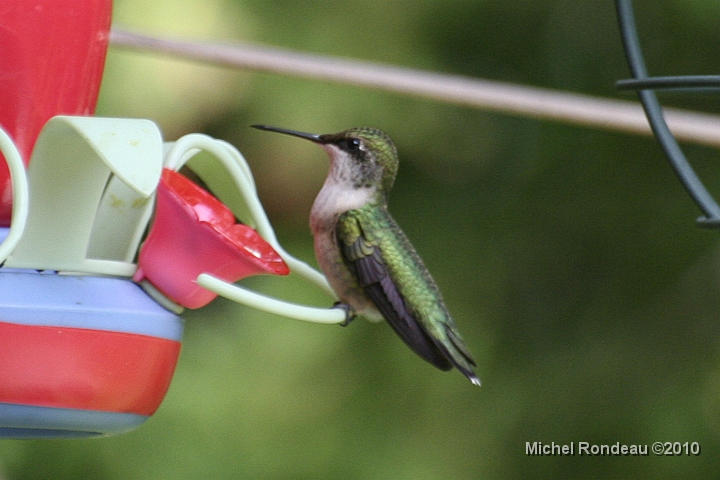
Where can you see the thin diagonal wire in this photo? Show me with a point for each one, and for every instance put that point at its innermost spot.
(653, 110)
(533, 102)
(701, 82)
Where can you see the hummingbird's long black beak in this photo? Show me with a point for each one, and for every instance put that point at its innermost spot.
(308, 136)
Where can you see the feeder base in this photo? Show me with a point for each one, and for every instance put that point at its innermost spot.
(31, 422)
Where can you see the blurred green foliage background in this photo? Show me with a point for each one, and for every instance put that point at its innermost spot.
(568, 256)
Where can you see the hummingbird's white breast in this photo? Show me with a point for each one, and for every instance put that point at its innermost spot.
(335, 199)
(337, 196)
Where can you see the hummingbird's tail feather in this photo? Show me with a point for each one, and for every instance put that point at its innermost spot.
(459, 355)
(444, 356)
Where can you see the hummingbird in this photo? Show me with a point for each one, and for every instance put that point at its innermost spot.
(368, 261)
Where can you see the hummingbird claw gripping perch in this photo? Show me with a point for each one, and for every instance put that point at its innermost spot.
(349, 313)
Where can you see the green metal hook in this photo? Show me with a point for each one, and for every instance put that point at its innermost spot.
(644, 86)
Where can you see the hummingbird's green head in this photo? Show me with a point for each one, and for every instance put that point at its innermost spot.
(360, 157)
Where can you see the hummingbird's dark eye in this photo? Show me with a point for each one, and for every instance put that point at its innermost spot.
(351, 145)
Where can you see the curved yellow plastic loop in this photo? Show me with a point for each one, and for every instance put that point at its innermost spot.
(271, 305)
(21, 195)
(182, 151)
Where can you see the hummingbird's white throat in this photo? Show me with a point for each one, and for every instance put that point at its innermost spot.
(338, 193)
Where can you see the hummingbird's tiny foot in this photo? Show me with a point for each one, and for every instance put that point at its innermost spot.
(349, 313)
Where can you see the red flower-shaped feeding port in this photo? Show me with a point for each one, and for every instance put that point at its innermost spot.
(195, 233)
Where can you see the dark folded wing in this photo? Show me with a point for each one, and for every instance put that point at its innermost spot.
(366, 262)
